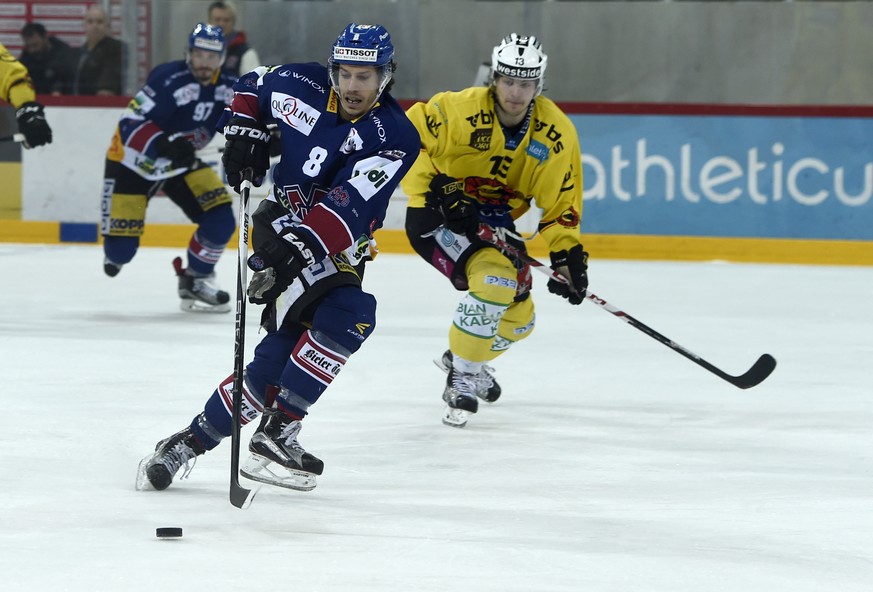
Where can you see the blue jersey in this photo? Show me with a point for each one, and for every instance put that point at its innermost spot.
(335, 177)
(172, 102)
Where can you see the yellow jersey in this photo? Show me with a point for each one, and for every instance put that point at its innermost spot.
(541, 163)
(15, 84)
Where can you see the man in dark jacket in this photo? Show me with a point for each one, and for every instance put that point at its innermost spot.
(48, 59)
(98, 69)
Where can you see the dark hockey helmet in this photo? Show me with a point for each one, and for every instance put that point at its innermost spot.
(363, 45)
(521, 57)
(208, 38)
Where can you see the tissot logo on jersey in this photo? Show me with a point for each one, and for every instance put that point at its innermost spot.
(296, 113)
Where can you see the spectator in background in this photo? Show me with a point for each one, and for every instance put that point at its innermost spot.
(48, 59)
(241, 58)
(98, 64)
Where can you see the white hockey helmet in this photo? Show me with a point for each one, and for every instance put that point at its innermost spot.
(521, 57)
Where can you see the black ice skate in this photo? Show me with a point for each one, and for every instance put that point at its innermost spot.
(158, 469)
(200, 294)
(111, 269)
(460, 397)
(486, 387)
(277, 457)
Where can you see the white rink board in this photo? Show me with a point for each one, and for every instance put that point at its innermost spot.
(63, 181)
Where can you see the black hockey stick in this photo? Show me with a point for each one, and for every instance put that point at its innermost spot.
(239, 495)
(12, 138)
(759, 371)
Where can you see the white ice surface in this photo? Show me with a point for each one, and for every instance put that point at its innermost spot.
(611, 463)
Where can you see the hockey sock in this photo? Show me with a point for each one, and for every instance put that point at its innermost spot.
(120, 249)
(214, 424)
(202, 255)
(315, 362)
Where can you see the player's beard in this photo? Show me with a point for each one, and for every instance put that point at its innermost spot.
(203, 75)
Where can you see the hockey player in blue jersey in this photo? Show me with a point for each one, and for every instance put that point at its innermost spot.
(153, 150)
(346, 144)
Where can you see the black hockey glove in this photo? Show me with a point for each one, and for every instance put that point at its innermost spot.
(32, 123)
(458, 209)
(573, 265)
(246, 148)
(180, 151)
(277, 261)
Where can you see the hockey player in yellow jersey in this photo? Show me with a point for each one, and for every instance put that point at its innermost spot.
(487, 153)
(16, 88)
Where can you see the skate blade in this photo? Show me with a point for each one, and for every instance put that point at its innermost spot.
(189, 305)
(456, 418)
(142, 480)
(256, 468)
(438, 362)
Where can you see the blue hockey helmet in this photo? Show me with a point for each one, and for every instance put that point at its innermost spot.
(363, 45)
(208, 38)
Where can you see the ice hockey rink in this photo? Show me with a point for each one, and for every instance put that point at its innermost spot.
(611, 463)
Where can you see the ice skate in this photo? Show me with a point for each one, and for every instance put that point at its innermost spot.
(200, 294)
(460, 398)
(277, 457)
(486, 387)
(110, 268)
(156, 471)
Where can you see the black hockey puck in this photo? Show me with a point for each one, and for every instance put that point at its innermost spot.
(168, 532)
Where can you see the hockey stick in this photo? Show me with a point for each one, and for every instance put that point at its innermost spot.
(759, 371)
(12, 138)
(210, 152)
(239, 495)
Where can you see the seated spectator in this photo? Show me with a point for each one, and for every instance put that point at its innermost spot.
(241, 57)
(98, 65)
(48, 59)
